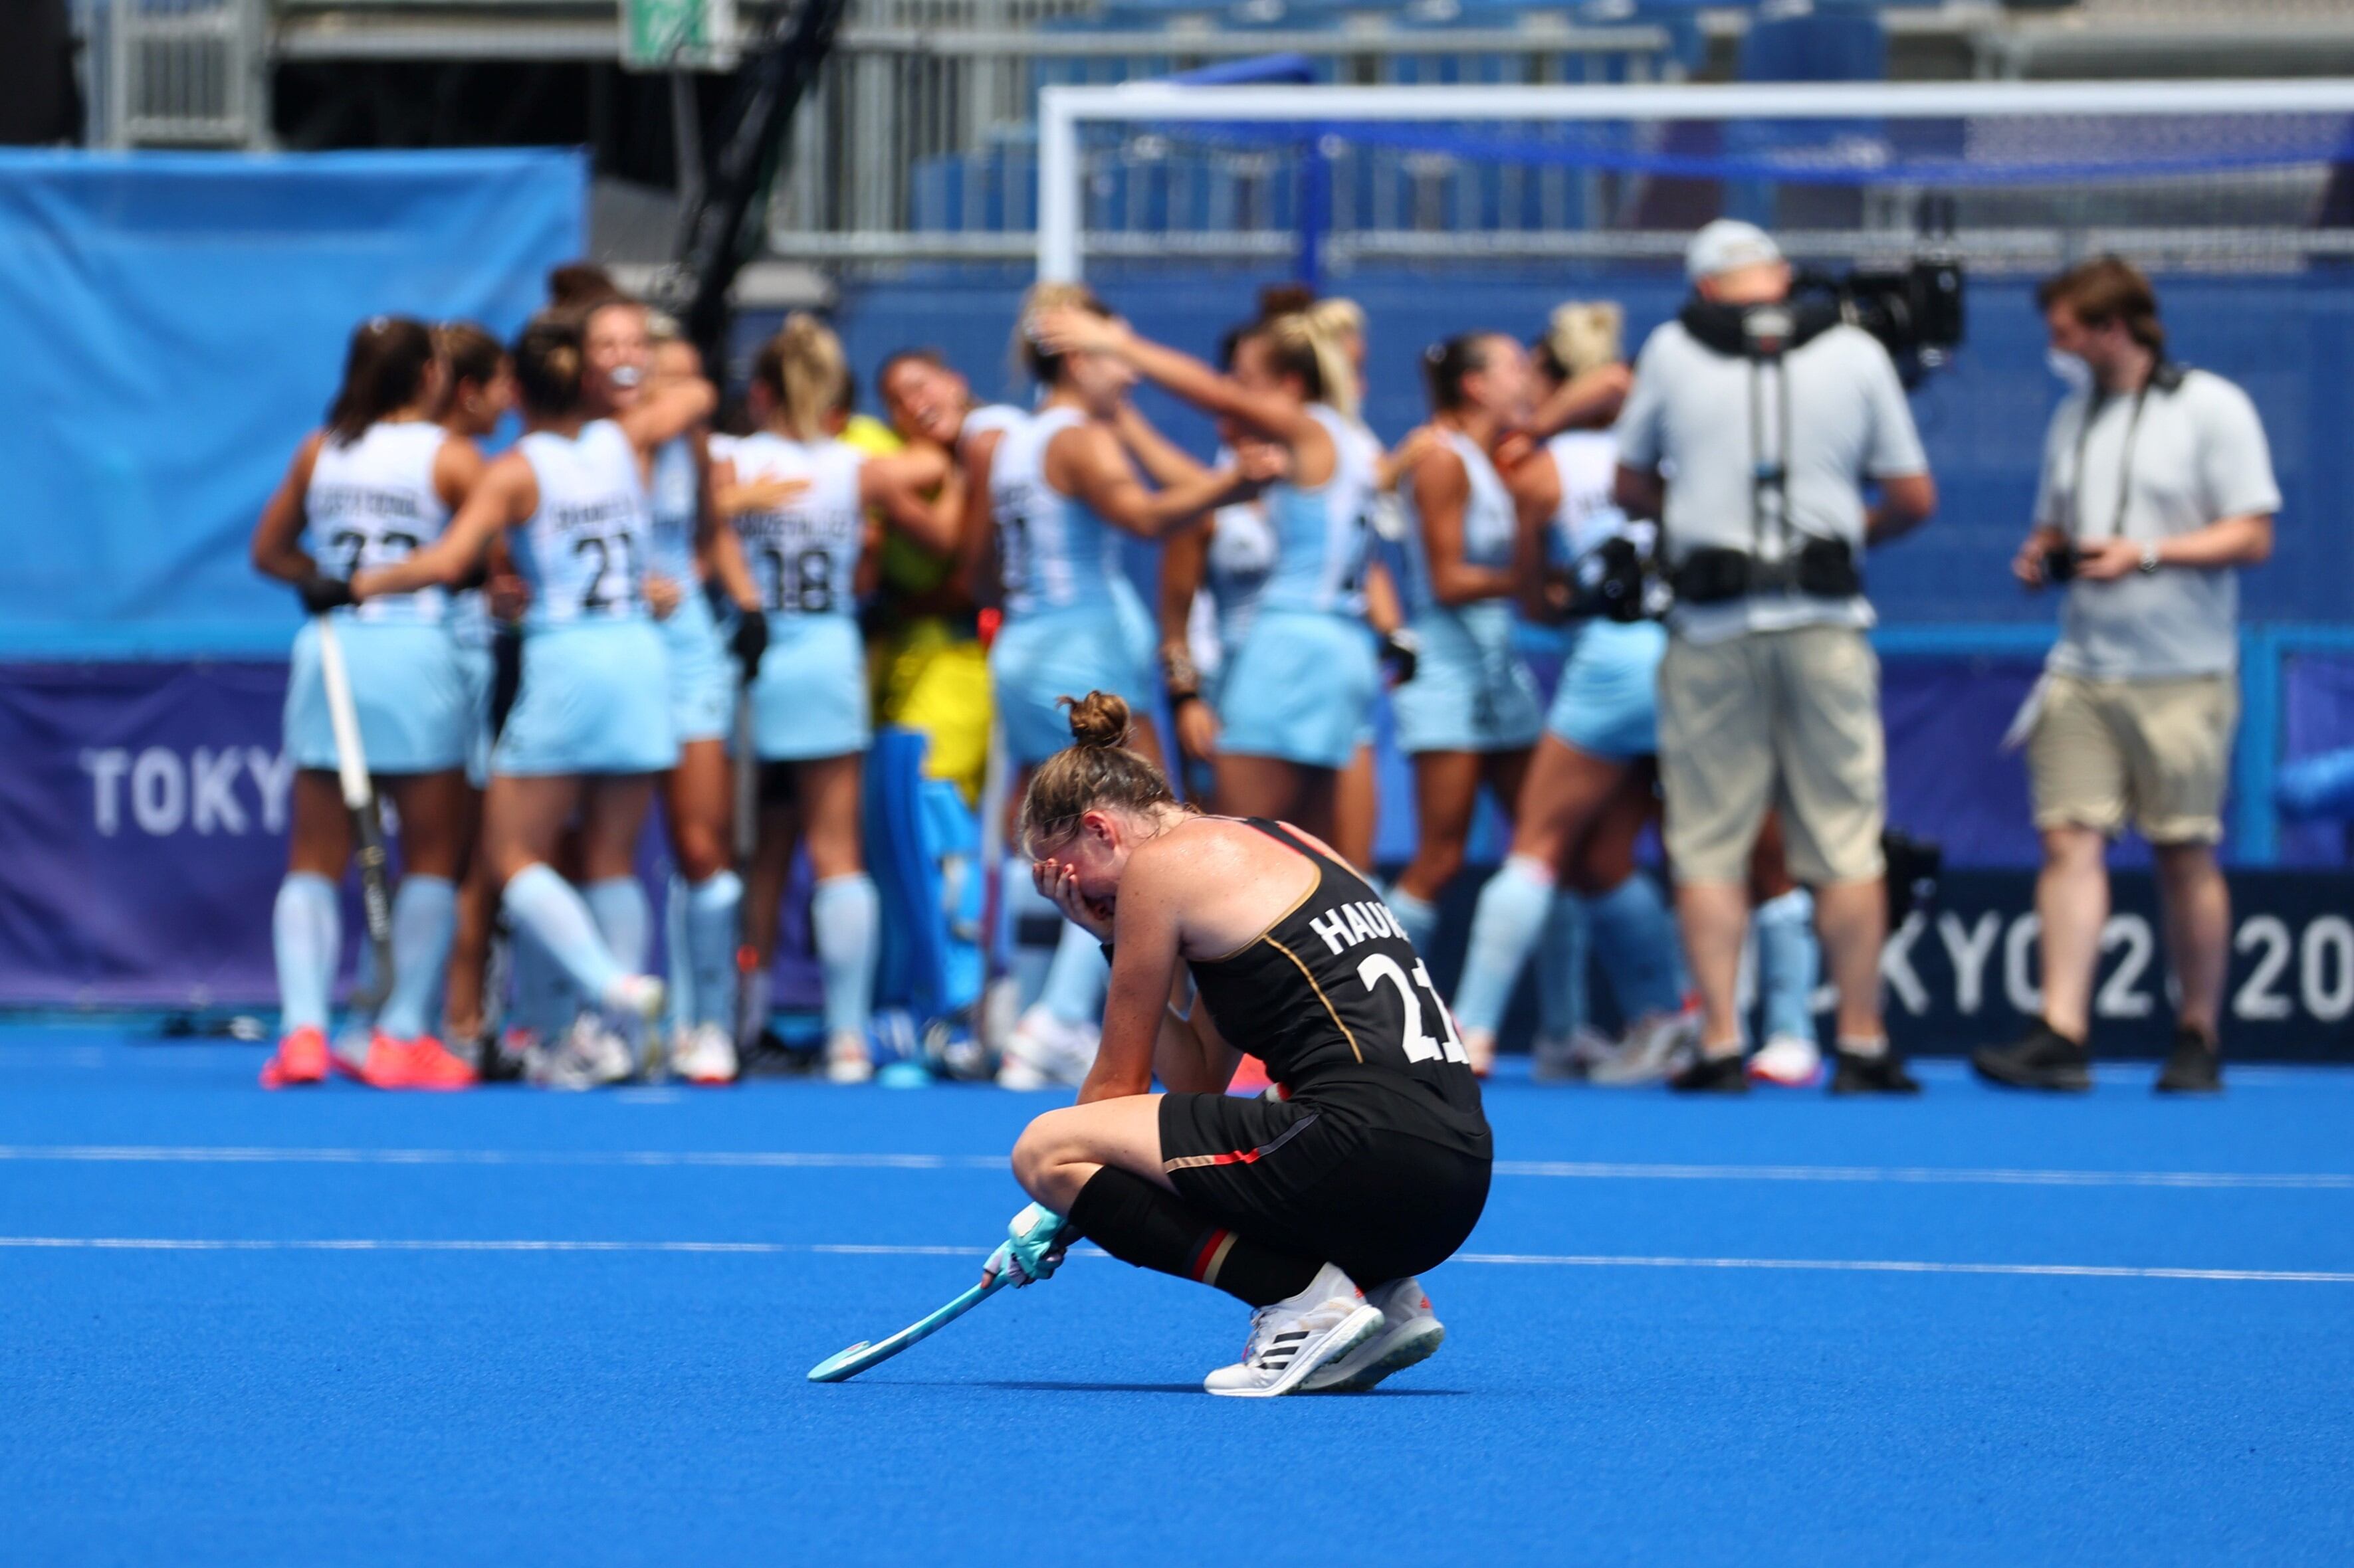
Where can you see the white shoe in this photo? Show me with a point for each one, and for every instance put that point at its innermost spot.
(1291, 1339)
(704, 1055)
(1650, 1051)
(589, 1055)
(1043, 1051)
(1410, 1332)
(1791, 1061)
(846, 1061)
(1555, 1059)
(632, 1005)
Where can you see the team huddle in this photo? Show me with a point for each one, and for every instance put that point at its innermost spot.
(638, 567)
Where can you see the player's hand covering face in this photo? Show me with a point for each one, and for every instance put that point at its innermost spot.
(1086, 901)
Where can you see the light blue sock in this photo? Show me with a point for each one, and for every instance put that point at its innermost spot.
(1634, 937)
(1562, 959)
(1022, 905)
(1790, 963)
(623, 918)
(713, 906)
(306, 933)
(846, 918)
(424, 919)
(543, 904)
(1078, 979)
(1418, 917)
(678, 994)
(1505, 927)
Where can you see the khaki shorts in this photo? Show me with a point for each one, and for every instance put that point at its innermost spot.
(2157, 753)
(1789, 719)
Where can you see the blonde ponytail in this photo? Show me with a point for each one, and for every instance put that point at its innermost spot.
(1303, 344)
(1586, 334)
(804, 368)
(1028, 358)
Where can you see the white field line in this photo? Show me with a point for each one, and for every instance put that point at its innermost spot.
(854, 1249)
(1558, 1170)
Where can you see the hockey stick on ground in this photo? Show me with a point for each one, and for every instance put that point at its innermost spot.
(847, 1364)
(367, 816)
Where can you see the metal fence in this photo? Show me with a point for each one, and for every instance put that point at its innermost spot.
(179, 73)
(920, 141)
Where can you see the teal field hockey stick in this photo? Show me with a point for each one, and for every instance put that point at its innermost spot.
(847, 1364)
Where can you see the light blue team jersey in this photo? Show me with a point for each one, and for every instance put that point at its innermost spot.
(1320, 534)
(1490, 524)
(371, 504)
(676, 501)
(804, 553)
(1053, 551)
(1242, 560)
(586, 551)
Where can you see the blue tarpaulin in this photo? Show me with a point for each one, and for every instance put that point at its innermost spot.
(175, 322)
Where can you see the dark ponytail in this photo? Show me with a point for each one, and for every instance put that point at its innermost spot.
(1446, 366)
(549, 358)
(384, 370)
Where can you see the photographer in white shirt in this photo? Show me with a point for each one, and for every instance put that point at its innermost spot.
(2156, 485)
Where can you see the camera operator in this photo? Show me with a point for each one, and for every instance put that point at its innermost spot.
(2156, 484)
(1769, 418)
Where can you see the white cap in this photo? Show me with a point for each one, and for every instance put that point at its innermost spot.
(1727, 244)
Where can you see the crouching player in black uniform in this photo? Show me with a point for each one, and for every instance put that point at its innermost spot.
(1317, 1209)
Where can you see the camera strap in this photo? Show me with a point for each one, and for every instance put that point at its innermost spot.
(1769, 480)
(2093, 412)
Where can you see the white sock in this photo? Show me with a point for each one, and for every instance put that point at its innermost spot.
(543, 902)
(1418, 917)
(1078, 979)
(424, 920)
(1507, 922)
(712, 905)
(846, 919)
(623, 918)
(306, 933)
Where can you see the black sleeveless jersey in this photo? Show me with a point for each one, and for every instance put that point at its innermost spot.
(1333, 991)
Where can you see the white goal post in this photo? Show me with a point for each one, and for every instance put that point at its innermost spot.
(1064, 112)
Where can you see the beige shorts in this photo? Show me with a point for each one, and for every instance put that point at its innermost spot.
(2157, 753)
(1787, 719)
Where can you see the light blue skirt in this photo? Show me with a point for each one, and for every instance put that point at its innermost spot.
(702, 674)
(1470, 692)
(810, 698)
(1607, 704)
(595, 699)
(1299, 688)
(408, 687)
(1069, 653)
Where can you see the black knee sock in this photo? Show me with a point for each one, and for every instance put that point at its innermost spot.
(1141, 1222)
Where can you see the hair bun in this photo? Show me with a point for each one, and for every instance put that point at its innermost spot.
(1098, 719)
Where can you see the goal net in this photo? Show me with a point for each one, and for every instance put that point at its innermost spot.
(2247, 176)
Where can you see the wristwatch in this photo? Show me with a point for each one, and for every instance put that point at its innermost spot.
(2149, 559)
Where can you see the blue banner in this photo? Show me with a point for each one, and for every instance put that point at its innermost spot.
(176, 323)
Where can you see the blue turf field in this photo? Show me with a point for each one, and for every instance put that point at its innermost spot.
(522, 1350)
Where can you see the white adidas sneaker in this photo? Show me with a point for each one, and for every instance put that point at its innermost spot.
(1043, 1051)
(1290, 1339)
(846, 1059)
(588, 1056)
(1651, 1051)
(704, 1055)
(1790, 1060)
(1410, 1332)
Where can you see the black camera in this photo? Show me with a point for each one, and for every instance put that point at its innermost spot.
(1915, 310)
(2060, 563)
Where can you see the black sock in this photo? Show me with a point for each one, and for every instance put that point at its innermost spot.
(1141, 1222)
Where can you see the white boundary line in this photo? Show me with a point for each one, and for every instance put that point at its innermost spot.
(852, 1249)
(1556, 1170)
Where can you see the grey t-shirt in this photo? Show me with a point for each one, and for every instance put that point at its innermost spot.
(2197, 456)
(1690, 416)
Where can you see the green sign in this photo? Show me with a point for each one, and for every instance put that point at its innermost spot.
(678, 35)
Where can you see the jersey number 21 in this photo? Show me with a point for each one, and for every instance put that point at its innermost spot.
(1420, 1047)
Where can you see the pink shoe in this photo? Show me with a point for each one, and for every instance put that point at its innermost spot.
(300, 1058)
